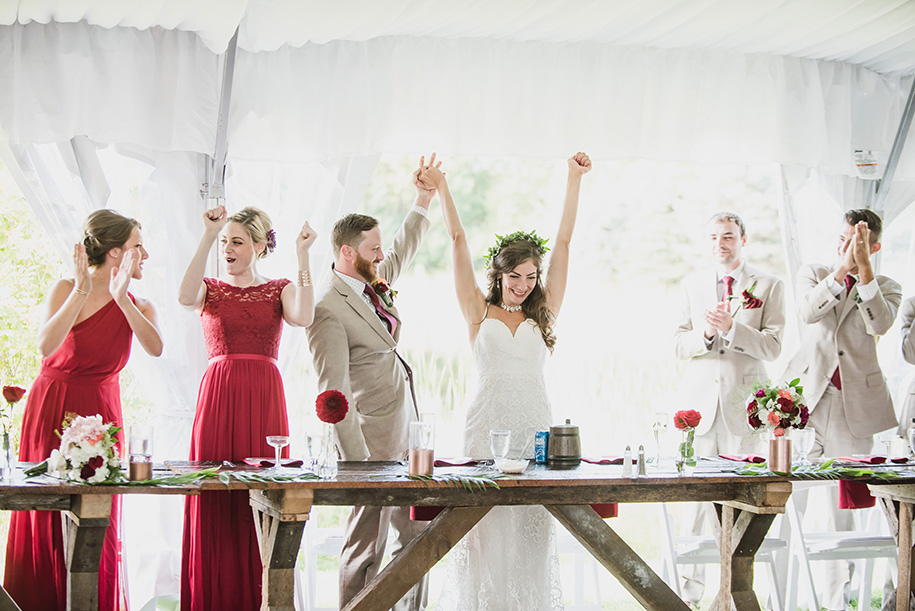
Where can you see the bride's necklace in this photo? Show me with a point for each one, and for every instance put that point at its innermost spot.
(512, 309)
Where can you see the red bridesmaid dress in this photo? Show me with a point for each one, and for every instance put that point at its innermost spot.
(241, 401)
(80, 378)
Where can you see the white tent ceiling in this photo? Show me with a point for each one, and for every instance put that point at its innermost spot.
(876, 34)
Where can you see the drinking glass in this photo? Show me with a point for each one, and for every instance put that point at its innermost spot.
(139, 442)
(499, 442)
(278, 442)
(803, 443)
(421, 459)
(312, 450)
(658, 427)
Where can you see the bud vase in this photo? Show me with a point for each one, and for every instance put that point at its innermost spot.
(327, 460)
(779, 454)
(686, 453)
(7, 458)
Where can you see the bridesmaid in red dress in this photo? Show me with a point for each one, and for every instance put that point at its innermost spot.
(241, 398)
(84, 337)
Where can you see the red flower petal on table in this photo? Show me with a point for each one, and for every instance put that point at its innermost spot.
(13, 394)
(331, 406)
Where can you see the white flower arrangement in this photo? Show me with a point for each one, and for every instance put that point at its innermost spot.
(87, 453)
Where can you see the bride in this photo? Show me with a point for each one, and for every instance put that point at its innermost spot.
(508, 561)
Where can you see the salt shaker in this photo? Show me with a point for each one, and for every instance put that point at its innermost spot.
(627, 462)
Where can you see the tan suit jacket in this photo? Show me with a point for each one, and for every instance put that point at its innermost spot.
(721, 374)
(843, 332)
(354, 353)
(907, 314)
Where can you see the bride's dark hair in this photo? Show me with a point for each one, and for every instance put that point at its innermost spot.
(535, 306)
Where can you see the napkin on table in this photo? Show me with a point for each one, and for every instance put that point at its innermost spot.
(870, 459)
(461, 461)
(743, 457)
(267, 462)
(606, 460)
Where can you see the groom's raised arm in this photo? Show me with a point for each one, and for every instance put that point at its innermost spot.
(330, 352)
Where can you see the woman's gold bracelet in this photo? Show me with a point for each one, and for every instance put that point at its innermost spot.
(304, 278)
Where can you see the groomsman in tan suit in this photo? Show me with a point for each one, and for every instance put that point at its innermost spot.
(732, 318)
(845, 308)
(353, 341)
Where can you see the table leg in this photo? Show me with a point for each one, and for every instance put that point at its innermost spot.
(84, 527)
(904, 540)
(740, 534)
(280, 517)
(618, 558)
(415, 560)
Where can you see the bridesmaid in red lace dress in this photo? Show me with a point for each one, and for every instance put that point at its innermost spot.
(241, 398)
(84, 337)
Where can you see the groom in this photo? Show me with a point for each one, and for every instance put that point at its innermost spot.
(353, 341)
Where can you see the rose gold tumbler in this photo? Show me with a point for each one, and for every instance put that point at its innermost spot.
(421, 454)
(780, 455)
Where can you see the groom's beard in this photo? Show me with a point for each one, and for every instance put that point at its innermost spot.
(364, 268)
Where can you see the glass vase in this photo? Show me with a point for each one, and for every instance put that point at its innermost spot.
(327, 460)
(7, 458)
(686, 453)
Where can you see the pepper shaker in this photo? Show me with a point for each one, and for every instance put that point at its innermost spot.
(642, 460)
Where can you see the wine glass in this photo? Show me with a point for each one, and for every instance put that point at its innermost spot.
(499, 442)
(278, 442)
(313, 449)
(658, 427)
(803, 439)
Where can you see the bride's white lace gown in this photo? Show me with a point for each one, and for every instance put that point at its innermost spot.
(508, 561)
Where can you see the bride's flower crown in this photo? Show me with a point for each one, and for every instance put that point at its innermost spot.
(503, 241)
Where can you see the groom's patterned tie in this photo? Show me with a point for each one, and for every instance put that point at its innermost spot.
(389, 322)
(836, 380)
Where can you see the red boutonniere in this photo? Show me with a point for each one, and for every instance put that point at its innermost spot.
(384, 290)
(748, 301)
(331, 406)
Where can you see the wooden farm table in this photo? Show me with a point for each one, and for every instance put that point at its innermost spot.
(897, 501)
(745, 506)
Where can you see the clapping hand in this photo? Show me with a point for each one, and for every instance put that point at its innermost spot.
(579, 163)
(121, 275)
(718, 319)
(82, 279)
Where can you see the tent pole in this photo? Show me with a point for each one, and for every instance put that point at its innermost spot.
(218, 176)
(884, 184)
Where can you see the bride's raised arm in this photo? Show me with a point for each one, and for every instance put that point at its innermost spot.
(558, 273)
(470, 298)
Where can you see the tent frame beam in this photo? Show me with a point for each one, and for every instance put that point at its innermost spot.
(905, 122)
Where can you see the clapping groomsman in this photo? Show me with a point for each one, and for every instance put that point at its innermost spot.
(844, 309)
(732, 317)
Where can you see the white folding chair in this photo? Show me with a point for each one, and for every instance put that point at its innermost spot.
(568, 544)
(806, 547)
(685, 550)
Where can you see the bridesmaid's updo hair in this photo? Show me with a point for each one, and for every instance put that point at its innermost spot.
(535, 306)
(259, 228)
(105, 230)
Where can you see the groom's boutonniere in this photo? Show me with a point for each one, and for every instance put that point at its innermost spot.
(747, 300)
(384, 290)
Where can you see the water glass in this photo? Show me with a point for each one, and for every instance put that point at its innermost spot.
(803, 443)
(499, 442)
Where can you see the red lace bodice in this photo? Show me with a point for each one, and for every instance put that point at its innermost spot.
(245, 320)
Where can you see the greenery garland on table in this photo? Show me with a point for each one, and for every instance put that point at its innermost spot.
(468, 482)
(184, 479)
(821, 471)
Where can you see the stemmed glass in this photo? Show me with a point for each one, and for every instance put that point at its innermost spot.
(803, 439)
(313, 448)
(278, 442)
(499, 443)
(658, 427)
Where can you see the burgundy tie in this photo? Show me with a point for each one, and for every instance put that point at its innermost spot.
(389, 321)
(836, 380)
(728, 291)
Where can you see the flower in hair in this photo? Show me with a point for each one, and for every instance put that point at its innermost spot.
(503, 241)
(271, 241)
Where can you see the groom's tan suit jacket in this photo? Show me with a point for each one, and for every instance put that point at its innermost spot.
(843, 332)
(720, 374)
(354, 353)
